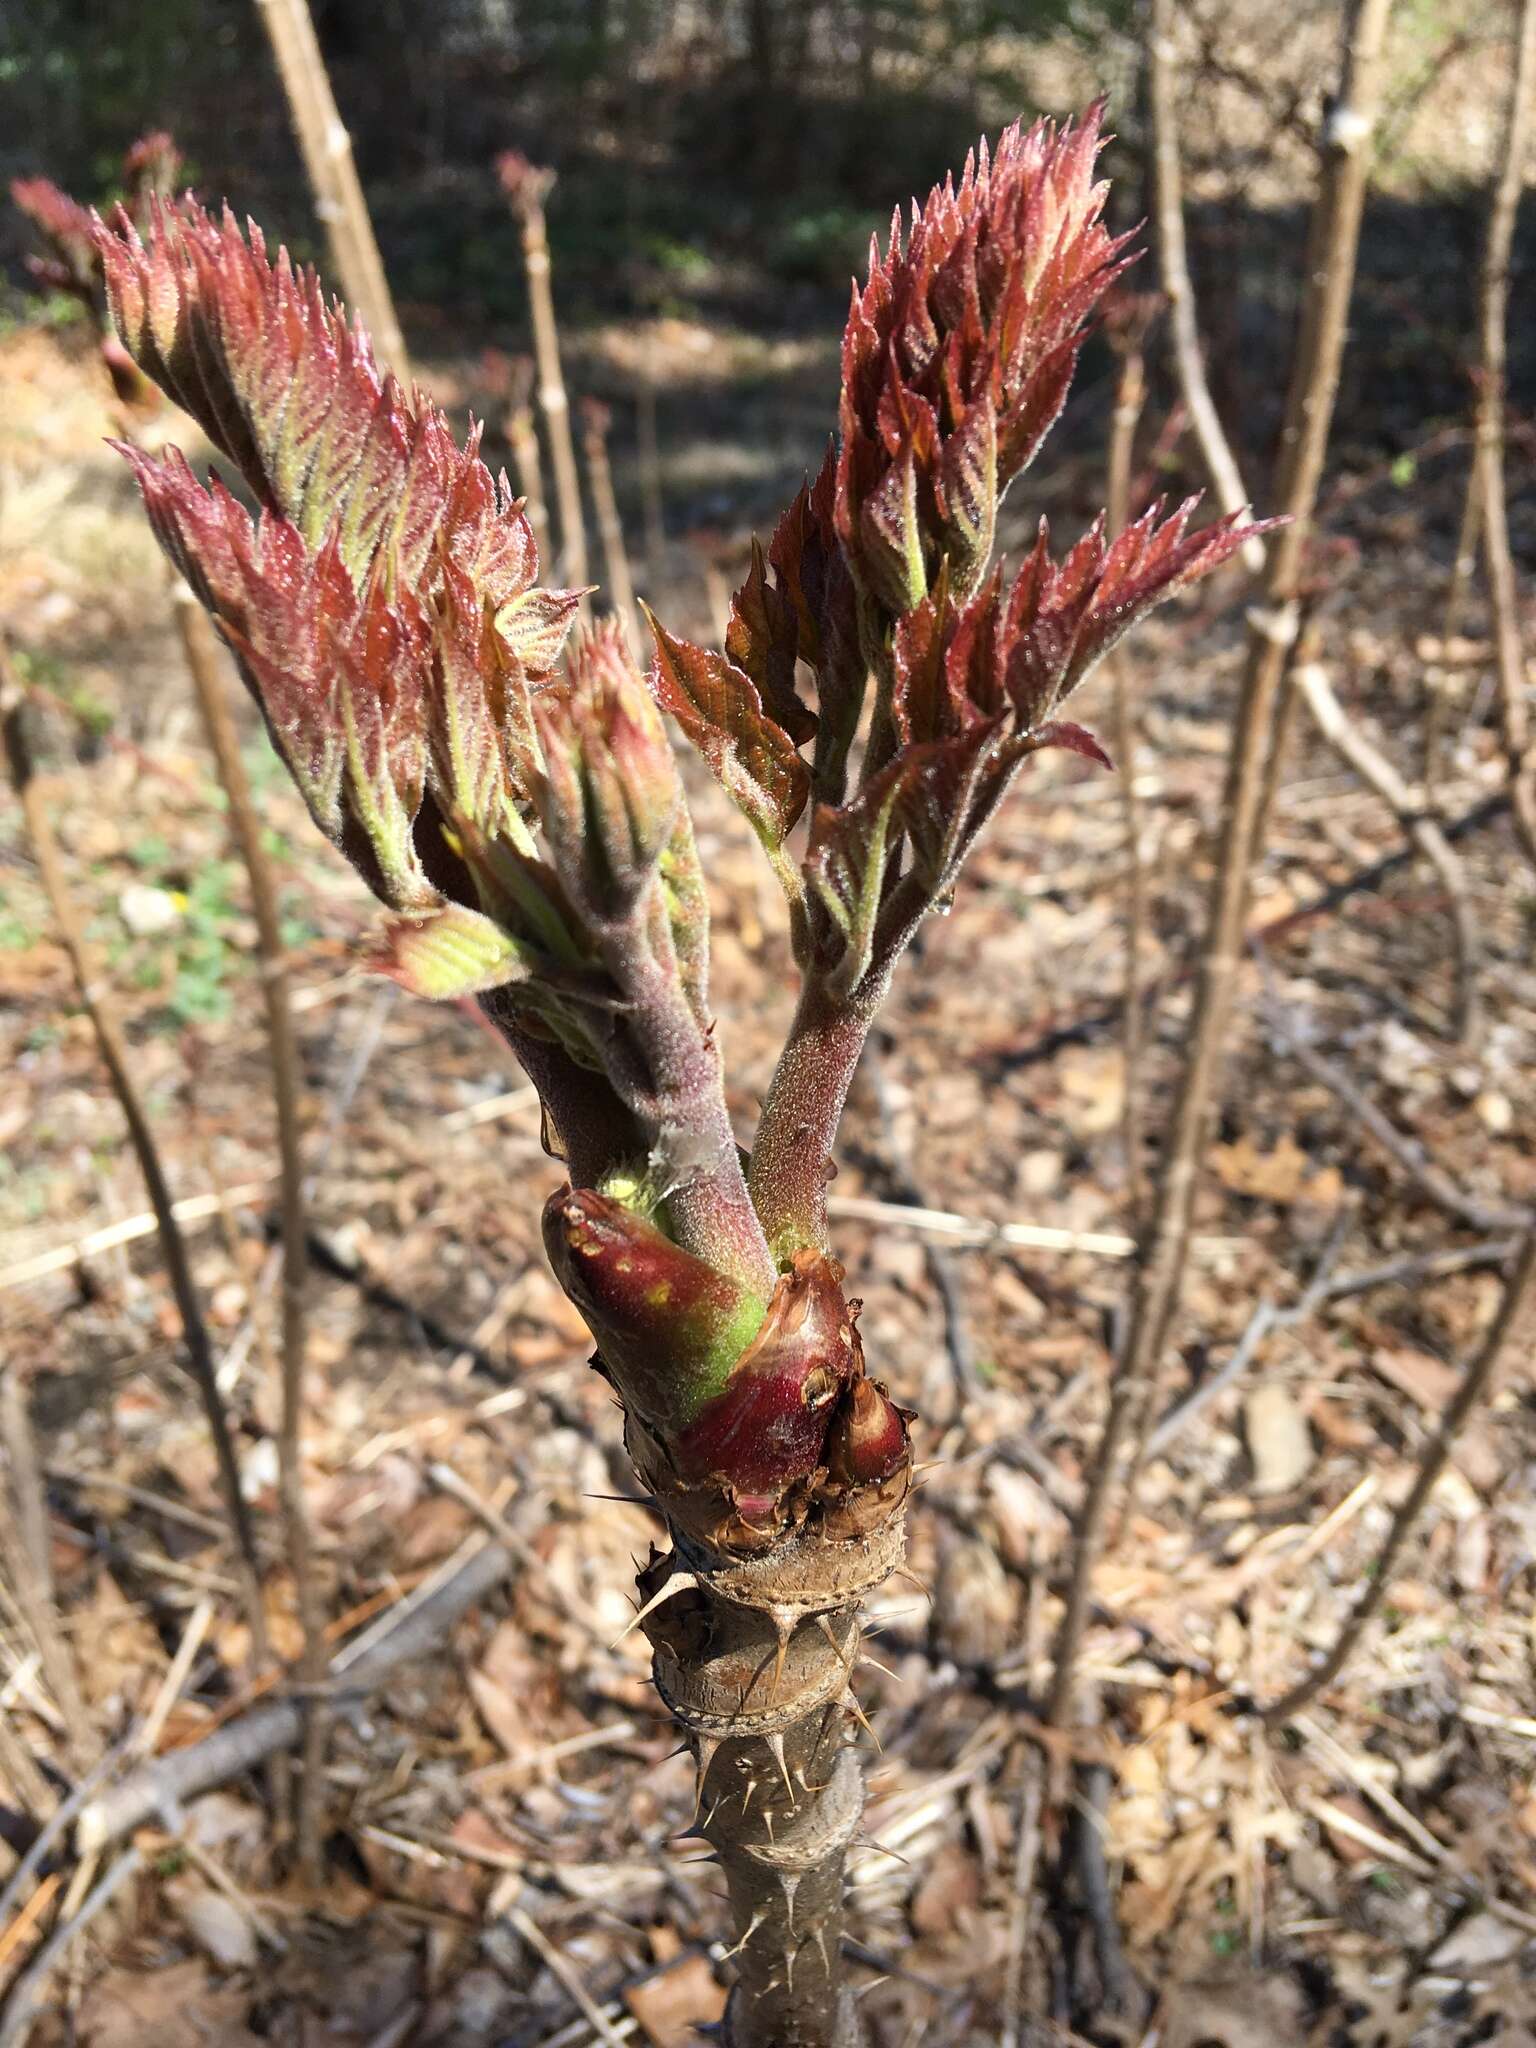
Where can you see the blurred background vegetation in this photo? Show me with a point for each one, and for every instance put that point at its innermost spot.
(725, 162)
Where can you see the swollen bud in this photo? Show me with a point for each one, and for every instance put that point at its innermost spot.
(610, 792)
(669, 1328)
(867, 1441)
(767, 1428)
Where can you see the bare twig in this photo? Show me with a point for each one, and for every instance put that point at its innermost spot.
(1506, 1335)
(26, 1997)
(1173, 274)
(162, 1785)
(527, 187)
(1159, 1282)
(595, 420)
(114, 1054)
(1130, 393)
(1493, 306)
(1408, 1153)
(1378, 773)
(558, 1964)
(24, 1545)
(523, 436)
(649, 462)
(201, 648)
(327, 151)
(1463, 562)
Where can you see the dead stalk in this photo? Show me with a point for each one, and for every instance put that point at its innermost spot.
(1493, 310)
(327, 151)
(523, 436)
(527, 190)
(595, 419)
(650, 462)
(1174, 278)
(96, 1003)
(24, 1546)
(1130, 394)
(1309, 412)
(1437, 709)
(201, 649)
(1504, 1337)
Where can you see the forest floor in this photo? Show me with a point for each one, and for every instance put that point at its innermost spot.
(1367, 1878)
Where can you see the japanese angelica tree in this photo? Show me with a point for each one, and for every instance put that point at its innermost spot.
(508, 788)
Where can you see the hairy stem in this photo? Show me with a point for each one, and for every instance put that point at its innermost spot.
(792, 1157)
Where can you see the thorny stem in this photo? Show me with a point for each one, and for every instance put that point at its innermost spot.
(201, 649)
(327, 151)
(1493, 306)
(114, 1054)
(1510, 1329)
(1159, 1280)
(553, 402)
(755, 1658)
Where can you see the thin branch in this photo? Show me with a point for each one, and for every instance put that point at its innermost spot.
(1173, 275)
(114, 1054)
(1493, 308)
(526, 189)
(163, 1785)
(24, 1544)
(1378, 773)
(201, 649)
(1130, 393)
(610, 528)
(1159, 1284)
(523, 438)
(1505, 1336)
(26, 1997)
(1408, 1153)
(327, 151)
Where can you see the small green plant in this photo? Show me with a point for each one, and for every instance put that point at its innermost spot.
(509, 790)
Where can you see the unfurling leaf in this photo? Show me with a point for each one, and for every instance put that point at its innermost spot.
(448, 953)
(958, 353)
(751, 756)
(383, 608)
(609, 795)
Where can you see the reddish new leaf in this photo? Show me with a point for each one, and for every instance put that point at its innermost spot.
(750, 755)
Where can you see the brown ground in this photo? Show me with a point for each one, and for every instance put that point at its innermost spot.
(1369, 1878)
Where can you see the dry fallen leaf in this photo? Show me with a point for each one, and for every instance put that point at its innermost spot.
(672, 2006)
(1285, 1175)
(1279, 1441)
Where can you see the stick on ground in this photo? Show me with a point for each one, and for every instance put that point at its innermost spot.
(1511, 1327)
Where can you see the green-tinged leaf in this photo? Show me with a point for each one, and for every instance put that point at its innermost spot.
(751, 756)
(448, 953)
(845, 868)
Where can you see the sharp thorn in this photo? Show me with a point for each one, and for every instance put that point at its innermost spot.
(861, 1717)
(865, 1658)
(752, 1926)
(775, 1743)
(679, 1582)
